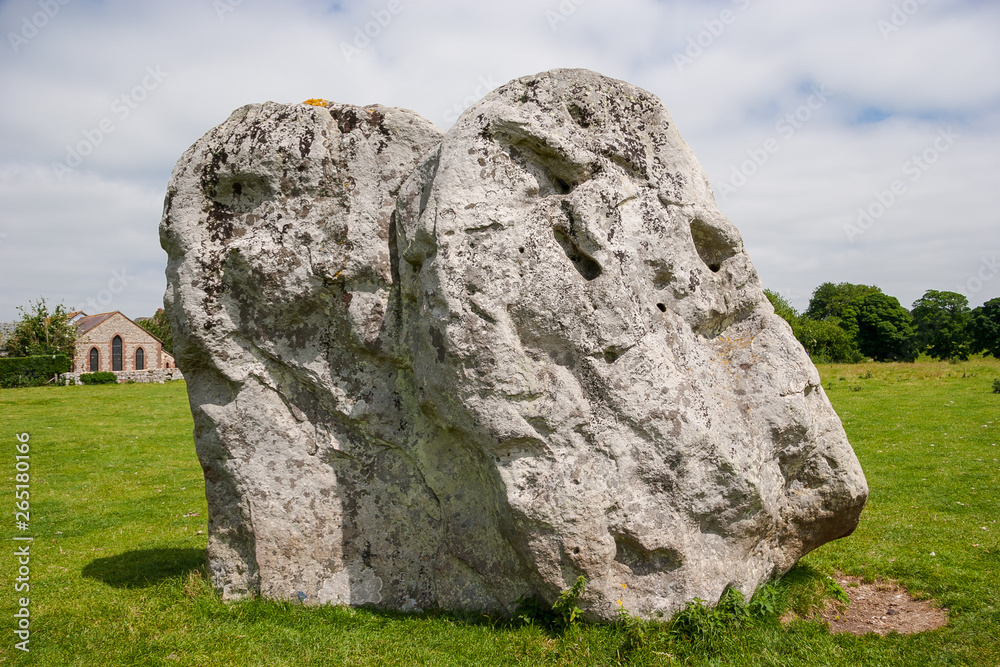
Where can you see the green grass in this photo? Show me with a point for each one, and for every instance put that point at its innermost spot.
(117, 574)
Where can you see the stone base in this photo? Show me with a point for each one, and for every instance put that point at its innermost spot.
(151, 376)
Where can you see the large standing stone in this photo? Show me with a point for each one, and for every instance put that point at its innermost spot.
(452, 371)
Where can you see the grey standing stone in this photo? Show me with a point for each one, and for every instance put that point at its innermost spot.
(453, 370)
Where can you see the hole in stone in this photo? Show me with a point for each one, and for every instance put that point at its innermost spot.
(712, 244)
(521, 250)
(662, 307)
(240, 192)
(586, 265)
(576, 550)
(643, 562)
(615, 352)
(554, 171)
(580, 116)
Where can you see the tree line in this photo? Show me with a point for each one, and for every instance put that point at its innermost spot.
(844, 323)
(847, 323)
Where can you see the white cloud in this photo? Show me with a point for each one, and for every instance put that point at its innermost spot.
(64, 238)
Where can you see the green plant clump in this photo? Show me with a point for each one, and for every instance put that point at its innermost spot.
(102, 377)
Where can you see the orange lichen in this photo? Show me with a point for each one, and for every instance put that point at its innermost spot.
(316, 102)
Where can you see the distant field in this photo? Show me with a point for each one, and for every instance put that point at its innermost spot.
(118, 518)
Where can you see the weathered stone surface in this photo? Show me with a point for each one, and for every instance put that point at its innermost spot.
(454, 370)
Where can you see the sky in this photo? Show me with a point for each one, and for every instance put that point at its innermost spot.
(853, 141)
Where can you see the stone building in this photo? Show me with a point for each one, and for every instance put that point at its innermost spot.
(113, 342)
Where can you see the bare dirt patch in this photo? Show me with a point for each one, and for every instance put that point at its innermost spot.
(880, 607)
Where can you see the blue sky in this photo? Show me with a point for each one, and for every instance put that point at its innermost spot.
(854, 141)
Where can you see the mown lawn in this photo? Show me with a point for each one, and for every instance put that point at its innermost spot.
(118, 520)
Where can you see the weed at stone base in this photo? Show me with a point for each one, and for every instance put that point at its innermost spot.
(698, 622)
(804, 589)
(563, 613)
(632, 630)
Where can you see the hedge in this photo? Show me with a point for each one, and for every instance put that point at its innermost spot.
(31, 371)
(102, 377)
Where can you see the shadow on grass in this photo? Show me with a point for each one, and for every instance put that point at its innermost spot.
(144, 567)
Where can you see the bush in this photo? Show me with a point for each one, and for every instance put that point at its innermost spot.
(41, 333)
(103, 377)
(31, 371)
(996, 386)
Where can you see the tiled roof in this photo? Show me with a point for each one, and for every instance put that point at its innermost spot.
(85, 324)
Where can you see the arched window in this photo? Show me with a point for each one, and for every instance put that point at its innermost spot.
(95, 360)
(140, 360)
(116, 353)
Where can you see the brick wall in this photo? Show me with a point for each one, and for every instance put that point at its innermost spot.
(133, 337)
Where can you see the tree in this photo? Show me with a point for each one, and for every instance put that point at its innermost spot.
(885, 329)
(40, 332)
(984, 328)
(827, 341)
(830, 300)
(782, 308)
(942, 325)
(159, 326)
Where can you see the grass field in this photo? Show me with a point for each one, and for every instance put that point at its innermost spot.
(118, 519)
